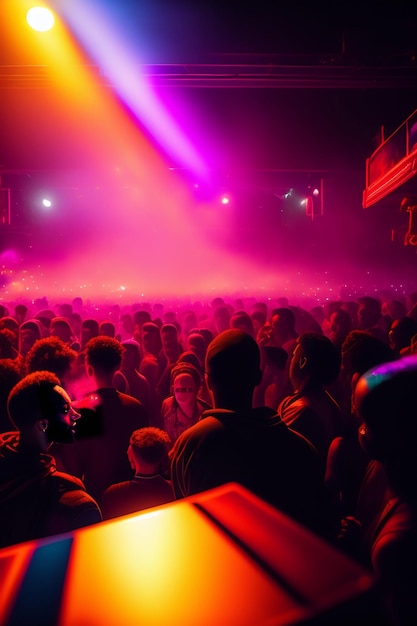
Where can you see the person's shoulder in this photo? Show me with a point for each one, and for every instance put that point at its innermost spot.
(128, 402)
(66, 482)
(293, 407)
(117, 488)
(196, 435)
(70, 492)
(127, 399)
(167, 403)
(396, 542)
(123, 484)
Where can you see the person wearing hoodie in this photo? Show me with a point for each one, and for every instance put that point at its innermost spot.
(35, 499)
(235, 442)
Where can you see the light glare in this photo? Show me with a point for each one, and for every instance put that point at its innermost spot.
(40, 19)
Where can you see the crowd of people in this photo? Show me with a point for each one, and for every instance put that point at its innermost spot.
(108, 411)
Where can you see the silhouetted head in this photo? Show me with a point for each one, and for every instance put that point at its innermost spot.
(361, 351)
(386, 401)
(340, 325)
(315, 360)
(151, 338)
(242, 321)
(89, 329)
(41, 410)
(61, 328)
(283, 325)
(107, 328)
(104, 354)
(369, 312)
(52, 355)
(401, 333)
(233, 365)
(150, 445)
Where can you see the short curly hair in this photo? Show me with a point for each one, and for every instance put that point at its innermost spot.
(150, 443)
(31, 396)
(50, 354)
(104, 354)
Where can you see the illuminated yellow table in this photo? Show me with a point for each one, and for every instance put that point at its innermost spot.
(221, 558)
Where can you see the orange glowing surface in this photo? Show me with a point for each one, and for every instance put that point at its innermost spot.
(13, 565)
(221, 558)
(167, 567)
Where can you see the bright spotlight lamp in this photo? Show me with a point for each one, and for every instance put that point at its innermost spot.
(40, 19)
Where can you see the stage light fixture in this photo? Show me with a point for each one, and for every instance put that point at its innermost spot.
(40, 19)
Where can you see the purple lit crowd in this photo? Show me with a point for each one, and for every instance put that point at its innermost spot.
(112, 409)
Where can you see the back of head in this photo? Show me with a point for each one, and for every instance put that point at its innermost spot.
(206, 334)
(361, 350)
(189, 357)
(30, 398)
(141, 317)
(60, 327)
(150, 444)
(386, 400)
(242, 321)
(52, 355)
(104, 354)
(151, 328)
(274, 357)
(323, 358)
(8, 344)
(107, 328)
(9, 377)
(151, 338)
(45, 317)
(221, 318)
(342, 318)
(233, 360)
(91, 325)
(89, 329)
(33, 325)
(21, 311)
(133, 346)
(9, 322)
(169, 329)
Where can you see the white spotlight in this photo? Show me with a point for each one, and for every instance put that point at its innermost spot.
(40, 19)
(46, 203)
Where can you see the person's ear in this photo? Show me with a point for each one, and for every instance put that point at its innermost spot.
(43, 425)
(258, 377)
(302, 362)
(90, 370)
